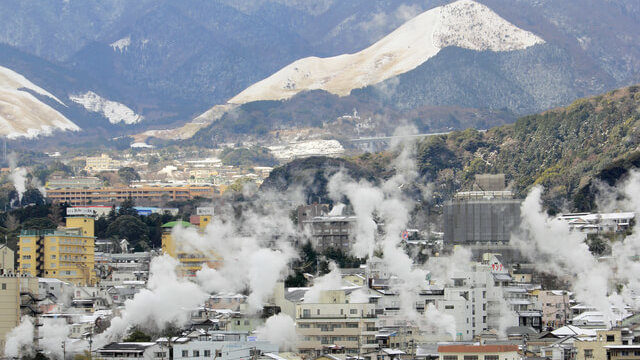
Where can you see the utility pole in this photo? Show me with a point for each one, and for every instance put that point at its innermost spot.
(64, 350)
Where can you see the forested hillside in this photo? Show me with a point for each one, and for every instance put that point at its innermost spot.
(562, 149)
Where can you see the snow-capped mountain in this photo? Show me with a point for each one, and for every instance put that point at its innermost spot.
(22, 114)
(464, 23)
(114, 111)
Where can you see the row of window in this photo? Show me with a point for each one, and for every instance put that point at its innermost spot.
(196, 353)
(470, 357)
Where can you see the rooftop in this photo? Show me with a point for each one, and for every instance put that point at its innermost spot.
(476, 348)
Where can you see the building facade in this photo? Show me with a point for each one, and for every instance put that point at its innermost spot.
(18, 296)
(115, 195)
(332, 322)
(65, 253)
(478, 352)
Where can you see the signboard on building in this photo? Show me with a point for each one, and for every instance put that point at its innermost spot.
(80, 211)
(204, 211)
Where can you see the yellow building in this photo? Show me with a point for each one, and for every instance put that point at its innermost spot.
(65, 253)
(17, 298)
(190, 261)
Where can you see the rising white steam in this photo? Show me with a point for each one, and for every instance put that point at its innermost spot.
(18, 176)
(555, 249)
(168, 299)
(279, 329)
(330, 281)
(256, 249)
(20, 339)
(392, 207)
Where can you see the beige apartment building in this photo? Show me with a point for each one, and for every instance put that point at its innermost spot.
(595, 350)
(101, 163)
(333, 324)
(18, 295)
(7, 262)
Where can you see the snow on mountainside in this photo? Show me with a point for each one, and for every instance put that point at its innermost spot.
(465, 23)
(115, 112)
(24, 115)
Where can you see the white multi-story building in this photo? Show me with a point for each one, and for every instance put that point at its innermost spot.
(222, 346)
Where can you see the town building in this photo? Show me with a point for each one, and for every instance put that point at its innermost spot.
(141, 194)
(483, 220)
(223, 345)
(64, 253)
(95, 164)
(599, 222)
(74, 183)
(330, 322)
(478, 352)
(18, 297)
(136, 350)
(600, 347)
(7, 261)
(556, 307)
(334, 229)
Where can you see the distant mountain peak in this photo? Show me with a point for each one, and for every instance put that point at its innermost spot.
(464, 23)
(24, 115)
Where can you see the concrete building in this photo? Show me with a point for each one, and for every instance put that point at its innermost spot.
(599, 222)
(556, 307)
(482, 220)
(104, 162)
(7, 260)
(331, 322)
(332, 230)
(605, 340)
(74, 183)
(478, 352)
(65, 253)
(222, 345)
(18, 296)
(142, 194)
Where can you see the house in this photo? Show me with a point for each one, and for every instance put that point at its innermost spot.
(128, 350)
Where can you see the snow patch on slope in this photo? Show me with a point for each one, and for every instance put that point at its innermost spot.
(24, 115)
(464, 23)
(115, 112)
(307, 148)
(121, 45)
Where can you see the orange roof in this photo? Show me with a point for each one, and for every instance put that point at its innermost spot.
(476, 348)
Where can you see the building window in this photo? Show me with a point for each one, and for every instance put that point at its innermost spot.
(353, 311)
(207, 353)
(4, 286)
(53, 256)
(588, 353)
(611, 338)
(448, 307)
(491, 357)
(185, 353)
(471, 357)
(196, 353)
(624, 353)
(450, 357)
(218, 353)
(352, 325)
